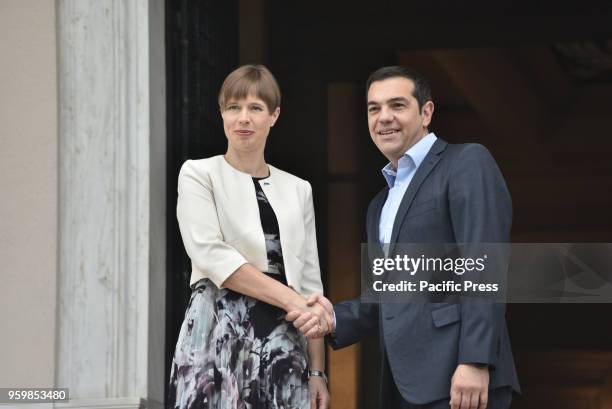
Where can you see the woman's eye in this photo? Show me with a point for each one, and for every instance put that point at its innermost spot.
(232, 108)
(257, 108)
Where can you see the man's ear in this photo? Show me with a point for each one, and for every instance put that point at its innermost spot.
(427, 112)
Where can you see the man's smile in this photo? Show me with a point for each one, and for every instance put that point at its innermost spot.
(388, 132)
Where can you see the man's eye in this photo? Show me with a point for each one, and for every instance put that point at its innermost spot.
(372, 109)
(397, 105)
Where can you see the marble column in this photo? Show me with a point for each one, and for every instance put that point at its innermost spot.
(104, 126)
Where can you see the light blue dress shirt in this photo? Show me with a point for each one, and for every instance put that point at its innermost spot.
(398, 181)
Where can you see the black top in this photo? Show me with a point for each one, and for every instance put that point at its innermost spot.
(269, 223)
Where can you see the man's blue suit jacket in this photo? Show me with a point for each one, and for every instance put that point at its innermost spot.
(457, 195)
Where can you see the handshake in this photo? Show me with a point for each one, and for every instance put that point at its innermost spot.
(315, 319)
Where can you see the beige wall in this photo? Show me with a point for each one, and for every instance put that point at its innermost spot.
(29, 192)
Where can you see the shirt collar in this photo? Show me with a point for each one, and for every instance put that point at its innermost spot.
(415, 155)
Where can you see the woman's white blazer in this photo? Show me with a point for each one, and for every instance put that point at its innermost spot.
(220, 225)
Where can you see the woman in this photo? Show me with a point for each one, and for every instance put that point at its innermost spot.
(249, 231)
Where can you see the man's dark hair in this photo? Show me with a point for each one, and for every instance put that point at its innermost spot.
(422, 89)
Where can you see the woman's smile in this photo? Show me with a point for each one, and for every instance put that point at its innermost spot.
(244, 132)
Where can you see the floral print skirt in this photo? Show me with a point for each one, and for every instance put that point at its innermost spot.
(235, 352)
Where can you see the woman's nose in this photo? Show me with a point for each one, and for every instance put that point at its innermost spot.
(244, 116)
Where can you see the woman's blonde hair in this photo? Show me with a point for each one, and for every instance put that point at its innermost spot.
(247, 80)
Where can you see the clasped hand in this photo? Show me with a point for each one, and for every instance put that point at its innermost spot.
(315, 320)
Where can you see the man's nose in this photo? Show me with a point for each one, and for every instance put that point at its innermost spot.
(385, 115)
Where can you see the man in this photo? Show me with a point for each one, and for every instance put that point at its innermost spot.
(434, 355)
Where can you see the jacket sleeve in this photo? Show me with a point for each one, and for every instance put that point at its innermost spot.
(481, 212)
(355, 320)
(196, 212)
(311, 275)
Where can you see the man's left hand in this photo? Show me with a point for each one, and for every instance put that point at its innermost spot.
(469, 387)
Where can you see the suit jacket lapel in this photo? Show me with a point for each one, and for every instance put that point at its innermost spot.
(430, 161)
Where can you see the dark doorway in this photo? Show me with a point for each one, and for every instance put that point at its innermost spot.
(532, 81)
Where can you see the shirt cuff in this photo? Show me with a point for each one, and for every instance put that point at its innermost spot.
(333, 331)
